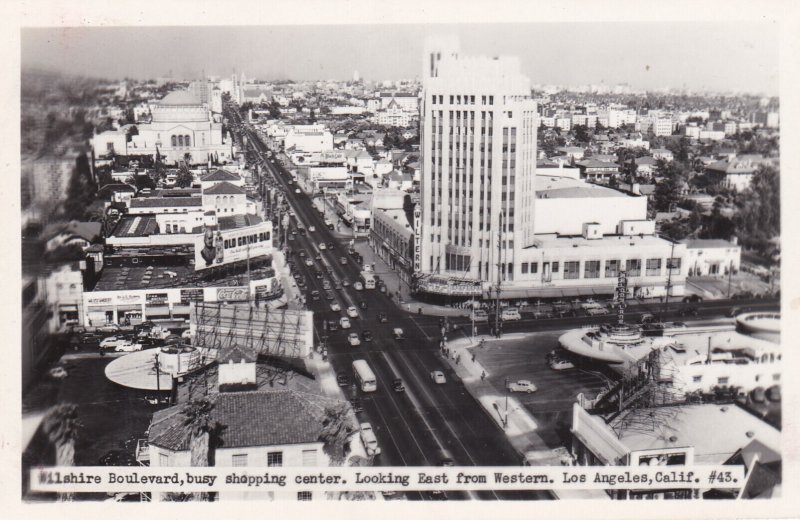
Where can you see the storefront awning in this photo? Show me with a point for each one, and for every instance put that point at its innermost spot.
(550, 292)
(181, 309)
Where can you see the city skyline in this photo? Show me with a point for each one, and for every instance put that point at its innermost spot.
(655, 55)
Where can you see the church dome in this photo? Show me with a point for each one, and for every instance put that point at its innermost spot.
(179, 98)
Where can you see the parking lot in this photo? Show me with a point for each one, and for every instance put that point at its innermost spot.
(524, 358)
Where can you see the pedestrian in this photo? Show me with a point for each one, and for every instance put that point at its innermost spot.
(458, 359)
(473, 357)
(483, 375)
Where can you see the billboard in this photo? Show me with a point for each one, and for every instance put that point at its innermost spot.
(215, 247)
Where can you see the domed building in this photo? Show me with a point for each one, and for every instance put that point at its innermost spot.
(182, 129)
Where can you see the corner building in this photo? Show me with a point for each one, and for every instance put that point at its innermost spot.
(478, 140)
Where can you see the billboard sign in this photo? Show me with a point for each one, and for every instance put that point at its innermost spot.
(216, 247)
(417, 238)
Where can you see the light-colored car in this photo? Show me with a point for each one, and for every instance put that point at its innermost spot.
(510, 314)
(438, 377)
(352, 312)
(187, 334)
(369, 439)
(322, 246)
(112, 342)
(523, 385)
(309, 262)
(561, 364)
(335, 307)
(311, 229)
(128, 347)
(597, 311)
(353, 339)
(58, 373)
(358, 286)
(344, 322)
(297, 190)
(108, 327)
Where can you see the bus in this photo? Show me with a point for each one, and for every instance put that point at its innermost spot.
(364, 375)
(369, 279)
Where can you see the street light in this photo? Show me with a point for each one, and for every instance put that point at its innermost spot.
(505, 422)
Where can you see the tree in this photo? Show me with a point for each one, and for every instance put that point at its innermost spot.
(581, 133)
(336, 432)
(133, 130)
(61, 425)
(185, 177)
(666, 194)
(81, 189)
(197, 419)
(758, 217)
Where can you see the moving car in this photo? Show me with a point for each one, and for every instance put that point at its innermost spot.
(523, 385)
(322, 246)
(343, 379)
(438, 377)
(647, 318)
(58, 373)
(358, 286)
(345, 283)
(329, 296)
(297, 190)
(369, 439)
(333, 325)
(335, 307)
(398, 333)
(309, 262)
(367, 335)
(315, 295)
(397, 385)
(353, 339)
(382, 317)
(356, 404)
(344, 322)
(557, 363)
(689, 310)
(363, 305)
(311, 229)
(343, 260)
(326, 285)
(352, 312)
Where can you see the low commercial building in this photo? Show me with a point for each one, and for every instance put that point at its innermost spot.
(712, 257)
(392, 239)
(668, 436)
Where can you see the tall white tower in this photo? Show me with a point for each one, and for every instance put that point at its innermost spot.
(478, 137)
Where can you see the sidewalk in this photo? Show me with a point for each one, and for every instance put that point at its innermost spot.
(394, 285)
(296, 297)
(521, 426)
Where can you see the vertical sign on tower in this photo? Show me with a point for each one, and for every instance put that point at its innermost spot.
(417, 238)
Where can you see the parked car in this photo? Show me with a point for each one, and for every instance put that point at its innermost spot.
(112, 342)
(355, 403)
(343, 379)
(560, 364)
(510, 314)
(57, 373)
(480, 315)
(689, 310)
(345, 322)
(108, 327)
(438, 377)
(352, 312)
(692, 298)
(523, 385)
(353, 339)
(128, 347)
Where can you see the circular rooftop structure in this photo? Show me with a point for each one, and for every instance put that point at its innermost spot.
(762, 325)
(138, 369)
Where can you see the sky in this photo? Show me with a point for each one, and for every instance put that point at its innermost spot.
(715, 56)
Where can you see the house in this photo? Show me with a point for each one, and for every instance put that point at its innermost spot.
(645, 166)
(662, 153)
(712, 257)
(217, 176)
(597, 171)
(736, 172)
(254, 429)
(572, 152)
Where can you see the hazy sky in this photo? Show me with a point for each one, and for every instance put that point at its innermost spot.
(726, 56)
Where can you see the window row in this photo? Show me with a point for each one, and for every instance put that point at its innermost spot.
(181, 140)
(592, 268)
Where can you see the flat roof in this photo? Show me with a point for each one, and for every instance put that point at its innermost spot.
(554, 241)
(135, 226)
(165, 202)
(689, 425)
(707, 243)
(552, 186)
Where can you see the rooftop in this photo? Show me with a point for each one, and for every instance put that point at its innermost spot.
(220, 175)
(556, 241)
(707, 243)
(690, 426)
(179, 98)
(135, 226)
(166, 202)
(557, 186)
(224, 188)
(262, 418)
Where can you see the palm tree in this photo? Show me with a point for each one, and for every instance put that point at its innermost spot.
(61, 426)
(197, 418)
(336, 432)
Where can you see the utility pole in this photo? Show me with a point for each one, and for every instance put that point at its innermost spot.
(497, 287)
(669, 277)
(730, 273)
